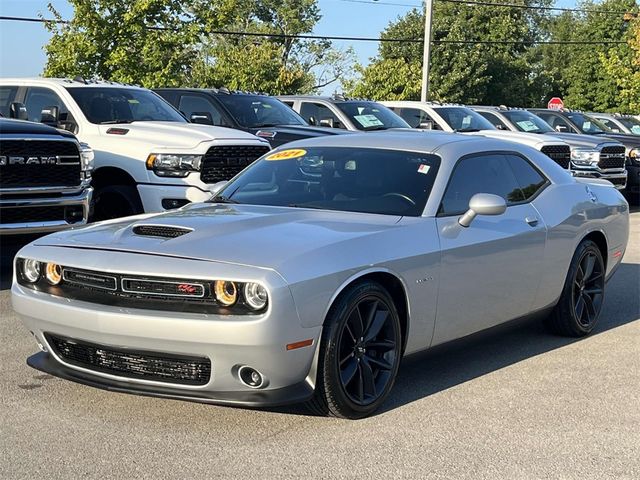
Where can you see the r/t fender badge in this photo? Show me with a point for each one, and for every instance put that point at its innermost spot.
(424, 280)
(592, 196)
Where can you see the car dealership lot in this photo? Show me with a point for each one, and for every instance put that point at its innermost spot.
(516, 403)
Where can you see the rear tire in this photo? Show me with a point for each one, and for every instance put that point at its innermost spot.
(578, 309)
(115, 201)
(359, 354)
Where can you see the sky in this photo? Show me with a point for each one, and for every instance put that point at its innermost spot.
(21, 44)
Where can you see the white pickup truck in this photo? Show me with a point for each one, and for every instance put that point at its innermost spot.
(148, 158)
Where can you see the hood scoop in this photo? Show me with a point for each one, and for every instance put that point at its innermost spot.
(162, 231)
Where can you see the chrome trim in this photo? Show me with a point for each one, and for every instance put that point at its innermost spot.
(48, 189)
(98, 275)
(201, 285)
(83, 199)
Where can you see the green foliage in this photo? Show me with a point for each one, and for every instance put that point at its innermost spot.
(177, 43)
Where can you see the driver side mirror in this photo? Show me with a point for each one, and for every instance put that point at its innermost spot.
(202, 118)
(426, 125)
(18, 111)
(483, 204)
(50, 115)
(561, 128)
(327, 122)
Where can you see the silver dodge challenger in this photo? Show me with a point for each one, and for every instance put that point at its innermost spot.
(308, 276)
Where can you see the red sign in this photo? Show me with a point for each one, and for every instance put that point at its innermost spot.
(555, 103)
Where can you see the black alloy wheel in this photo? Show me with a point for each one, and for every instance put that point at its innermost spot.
(360, 352)
(578, 309)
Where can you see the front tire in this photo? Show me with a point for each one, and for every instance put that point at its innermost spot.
(115, 201)
(360, 353)
(578, 309)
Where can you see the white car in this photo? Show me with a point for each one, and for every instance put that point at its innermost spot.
(458, 118)
(148, 158)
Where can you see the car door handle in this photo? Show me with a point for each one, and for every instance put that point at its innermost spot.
(533, 221)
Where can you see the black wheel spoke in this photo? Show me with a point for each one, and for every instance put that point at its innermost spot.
(371, 313)
(368, 379)
(381, 345)
(580, 275)
(357, 327)
(351, 335)
(579, 308)
(380, 363)
(379, 319)
(590, 262)
(349, 372)
(593, 291)
(591, 309)
(360, 383)
(345, 359)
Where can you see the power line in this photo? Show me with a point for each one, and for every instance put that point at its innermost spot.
(493, 4)
(354, 39)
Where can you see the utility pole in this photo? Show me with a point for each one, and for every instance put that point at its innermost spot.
(424, 94)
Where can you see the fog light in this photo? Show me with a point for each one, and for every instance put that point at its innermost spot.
(226, 292)
(251, 377)
(31, 270)
(53, 273)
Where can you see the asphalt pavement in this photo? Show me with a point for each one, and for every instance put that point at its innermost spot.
(516, 403)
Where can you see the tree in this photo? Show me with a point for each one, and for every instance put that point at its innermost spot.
(179, 43)
(465, 72)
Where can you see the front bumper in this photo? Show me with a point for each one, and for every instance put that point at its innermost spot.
(618, 178)
(297, 393)
(77, 201)
(152, 196)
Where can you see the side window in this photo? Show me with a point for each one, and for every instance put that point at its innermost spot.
(288, 103)
(555, 120)
(196, 103)
(483, 173)
(7, 97)
(610, 124)
(529, 179)
(319, 115)
(494, 120)
(39, 98)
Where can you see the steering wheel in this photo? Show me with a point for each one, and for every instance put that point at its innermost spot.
(401, 196)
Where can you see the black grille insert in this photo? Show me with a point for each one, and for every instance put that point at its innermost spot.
(53, 213)
(225, 161)
(39, 163)
(561, 154)
(144, 365)
(612, 157)
(160, 231)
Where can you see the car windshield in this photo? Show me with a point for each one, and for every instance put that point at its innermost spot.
(587, 124)
(631, 123)
(462, 119)
(527, 121)
(123, 105)
(252, 111)
(369, 116)
(386, 182)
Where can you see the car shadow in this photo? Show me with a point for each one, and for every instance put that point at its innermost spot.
(460, 361)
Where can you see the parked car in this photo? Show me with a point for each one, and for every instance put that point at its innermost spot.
(577, 122)
(262, 115)
(318, 267)
(458, 118)
(45, 176)
(338, 111)
(591, 156)
(148, 158)
(627, 124)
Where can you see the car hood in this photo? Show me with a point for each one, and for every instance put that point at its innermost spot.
(175, 134)
(532, 139)
(303, 131)
(628, 140)
(260, 236)
(581, 140)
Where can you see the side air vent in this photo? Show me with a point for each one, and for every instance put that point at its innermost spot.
(160, 231)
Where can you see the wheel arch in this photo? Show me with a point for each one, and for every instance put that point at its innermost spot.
(600, 239)
(104, 176)
(396, 287)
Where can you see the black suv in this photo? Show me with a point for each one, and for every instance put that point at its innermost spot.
(571, 121)
(263, 115)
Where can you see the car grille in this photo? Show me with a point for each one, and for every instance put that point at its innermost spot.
(65, 172)
(224, 162)
(143, 365)
(561, 154)
(617, 181)
(611, 157)
(55, 213)
(160, 231)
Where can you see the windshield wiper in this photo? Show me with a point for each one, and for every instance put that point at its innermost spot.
(221, 199)
(302, 205)
(466, 130)
(110, 122)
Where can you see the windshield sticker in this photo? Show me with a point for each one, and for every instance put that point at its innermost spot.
(287, 154)
(350, 165)
(368, 120)
(586, 126)
(133, 101)
(424, 169)
(636, 129)
(527, 125)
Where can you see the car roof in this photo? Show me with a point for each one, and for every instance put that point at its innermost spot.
(325, 98)
(65, 82)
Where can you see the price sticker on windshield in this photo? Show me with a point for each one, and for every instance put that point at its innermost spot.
(287, 154)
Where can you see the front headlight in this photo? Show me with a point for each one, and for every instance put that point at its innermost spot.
(29, 269)
(86, 157)
(255, 295)
(585, 156)
(173, 164)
